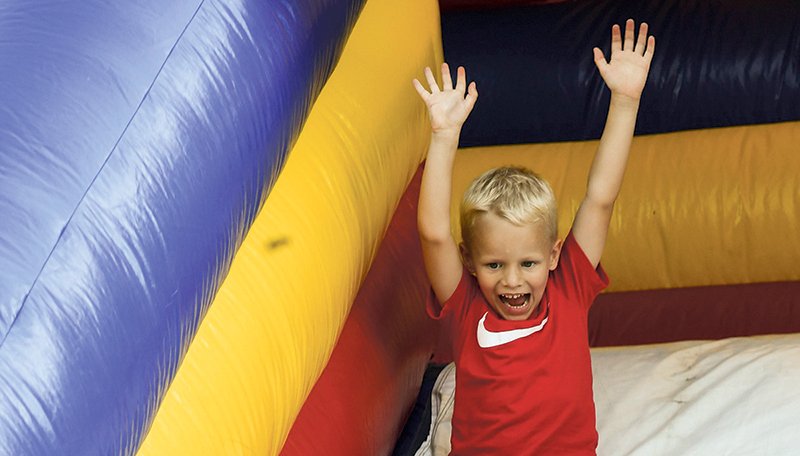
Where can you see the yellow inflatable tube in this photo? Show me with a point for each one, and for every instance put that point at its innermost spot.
(275, 319)
(704, 207)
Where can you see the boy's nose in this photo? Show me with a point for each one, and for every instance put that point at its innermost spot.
(512, 278)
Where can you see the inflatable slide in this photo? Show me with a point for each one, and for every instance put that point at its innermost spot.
(207, 217)
(177, 260)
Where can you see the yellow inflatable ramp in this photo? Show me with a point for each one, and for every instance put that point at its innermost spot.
(276, 318)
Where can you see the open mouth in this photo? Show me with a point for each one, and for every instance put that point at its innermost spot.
(515, 300)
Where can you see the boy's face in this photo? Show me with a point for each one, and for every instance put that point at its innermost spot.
(511, 264)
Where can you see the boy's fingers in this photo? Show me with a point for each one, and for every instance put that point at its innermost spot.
(641, 40)
(447, 80)
(599, 58)
(431, 80)
(628, 46)
(616, 39)
(472, 95)
(651, 48)
(420, 89)
(461, 79)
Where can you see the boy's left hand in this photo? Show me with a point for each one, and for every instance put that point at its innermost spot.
(449, 107)
(626, 74)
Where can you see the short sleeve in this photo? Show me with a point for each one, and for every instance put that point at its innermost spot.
(580, 279)
(449, 316)
(454, 305)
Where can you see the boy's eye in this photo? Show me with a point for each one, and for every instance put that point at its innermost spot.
(493, 265)
(527, 264)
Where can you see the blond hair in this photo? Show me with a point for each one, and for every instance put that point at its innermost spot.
(516, 194)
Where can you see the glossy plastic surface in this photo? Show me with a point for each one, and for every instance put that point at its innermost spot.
(717, 64)
(139, 140)
(380, 357)
(279, 313)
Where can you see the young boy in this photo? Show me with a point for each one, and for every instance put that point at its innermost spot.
(515, 298)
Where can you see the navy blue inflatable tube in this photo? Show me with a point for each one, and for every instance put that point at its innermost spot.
(721, 63)
(137, 142)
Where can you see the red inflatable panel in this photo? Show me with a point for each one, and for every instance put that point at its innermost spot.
(361, 401)
(715, 312)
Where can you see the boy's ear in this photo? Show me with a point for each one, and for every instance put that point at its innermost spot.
(555, 254)
(466, 258)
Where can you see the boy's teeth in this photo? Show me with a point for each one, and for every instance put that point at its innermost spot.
(514, 300)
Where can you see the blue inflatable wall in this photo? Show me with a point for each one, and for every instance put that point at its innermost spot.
(137, 143)
(718, 64)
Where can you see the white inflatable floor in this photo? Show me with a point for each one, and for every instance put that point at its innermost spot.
(731, 397)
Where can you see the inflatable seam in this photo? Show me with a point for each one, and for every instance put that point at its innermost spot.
(100, 170)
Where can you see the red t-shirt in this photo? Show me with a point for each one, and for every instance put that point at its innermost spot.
(529, 391)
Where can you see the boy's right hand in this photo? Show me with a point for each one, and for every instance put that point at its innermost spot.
(449, 107)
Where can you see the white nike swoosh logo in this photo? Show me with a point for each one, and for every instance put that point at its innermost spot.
(488, 339)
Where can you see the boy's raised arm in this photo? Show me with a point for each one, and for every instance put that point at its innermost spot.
(448, 109)
(625, 75)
